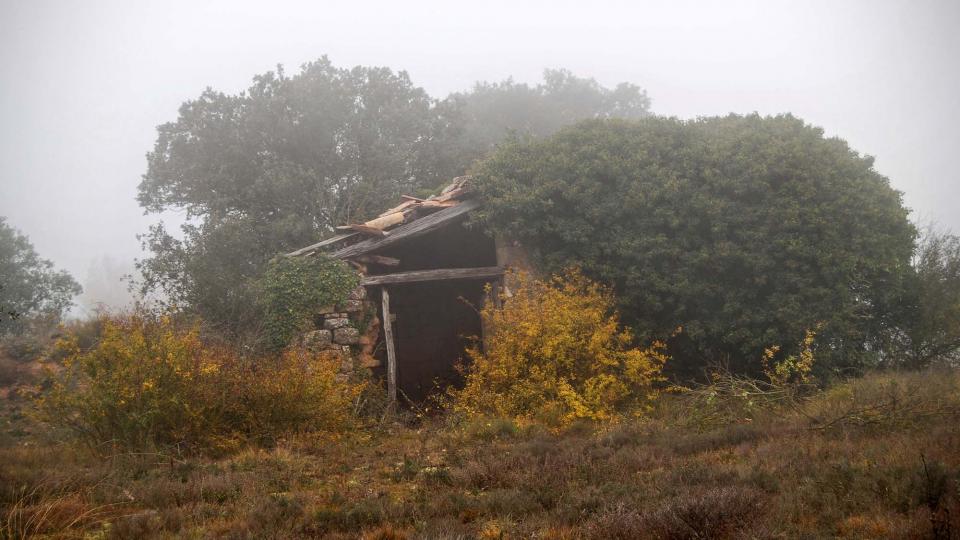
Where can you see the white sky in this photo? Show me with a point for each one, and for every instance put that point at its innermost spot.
(83, 83)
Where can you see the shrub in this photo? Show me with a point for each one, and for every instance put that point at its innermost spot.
(148, 382)
(33, 339)
(888, 401)
(745, 230)
(930, 333)
(292, 288)
(10, 372)
(555, 352)
(726, 399)
(277, 513)
(794, 369)
(726, 512)
(485, 428)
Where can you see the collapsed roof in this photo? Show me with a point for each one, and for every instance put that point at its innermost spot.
(411, 218)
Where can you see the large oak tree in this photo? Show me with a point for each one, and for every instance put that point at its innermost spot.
(278, 166)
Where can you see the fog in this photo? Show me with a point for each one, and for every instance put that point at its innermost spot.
(86, 83)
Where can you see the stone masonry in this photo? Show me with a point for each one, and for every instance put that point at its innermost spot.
(350, 330)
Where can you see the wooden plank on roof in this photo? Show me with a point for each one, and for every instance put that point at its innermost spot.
(452, 194)
(378, 259)
(379, 224)
(438, 274)
(323, 243)
(437, 204)
(387, 221)
(372, 231)
(405, 205)
(410, 230)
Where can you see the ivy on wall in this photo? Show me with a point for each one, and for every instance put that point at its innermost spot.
(292, 290)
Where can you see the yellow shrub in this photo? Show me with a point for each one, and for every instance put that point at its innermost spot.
(147, 382)
(555, 352)
(794, 369)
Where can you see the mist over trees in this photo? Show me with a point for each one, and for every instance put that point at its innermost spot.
(106, 285)
(490, 110)
(744, 231)
(30, 287)
(278, 166)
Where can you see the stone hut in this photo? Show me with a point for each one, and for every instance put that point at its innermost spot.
(423, 276)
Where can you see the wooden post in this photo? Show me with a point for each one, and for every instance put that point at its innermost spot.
(391, 352)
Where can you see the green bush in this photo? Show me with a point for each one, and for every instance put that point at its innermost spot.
(744, 230)
(293, 288)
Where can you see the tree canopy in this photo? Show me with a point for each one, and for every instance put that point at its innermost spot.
(930, 333)
(29, 286)
(276, 167)
(491, 110)
(744, 231)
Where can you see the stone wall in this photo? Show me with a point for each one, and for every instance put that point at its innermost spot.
(349, 330)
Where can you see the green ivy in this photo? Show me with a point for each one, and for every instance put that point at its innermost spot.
(293, 289)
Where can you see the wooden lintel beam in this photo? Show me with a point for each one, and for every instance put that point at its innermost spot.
(434, 275)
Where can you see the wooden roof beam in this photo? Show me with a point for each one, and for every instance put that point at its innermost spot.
(328, 242)
(409, 230)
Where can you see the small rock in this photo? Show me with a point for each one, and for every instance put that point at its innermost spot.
(358, 294)
(351, 306)
(324, 310)
(368, 361)
(318, 339)
(333, 324)
(346, 364)
(346, 336)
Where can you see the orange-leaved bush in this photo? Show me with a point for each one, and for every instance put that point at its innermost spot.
(149, 382)
(555, 352)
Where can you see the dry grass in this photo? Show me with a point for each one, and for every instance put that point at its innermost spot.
(874, 458)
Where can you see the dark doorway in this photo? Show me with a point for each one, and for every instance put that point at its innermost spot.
(435, 323)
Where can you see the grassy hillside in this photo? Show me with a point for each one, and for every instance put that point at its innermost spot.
(877, 457)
